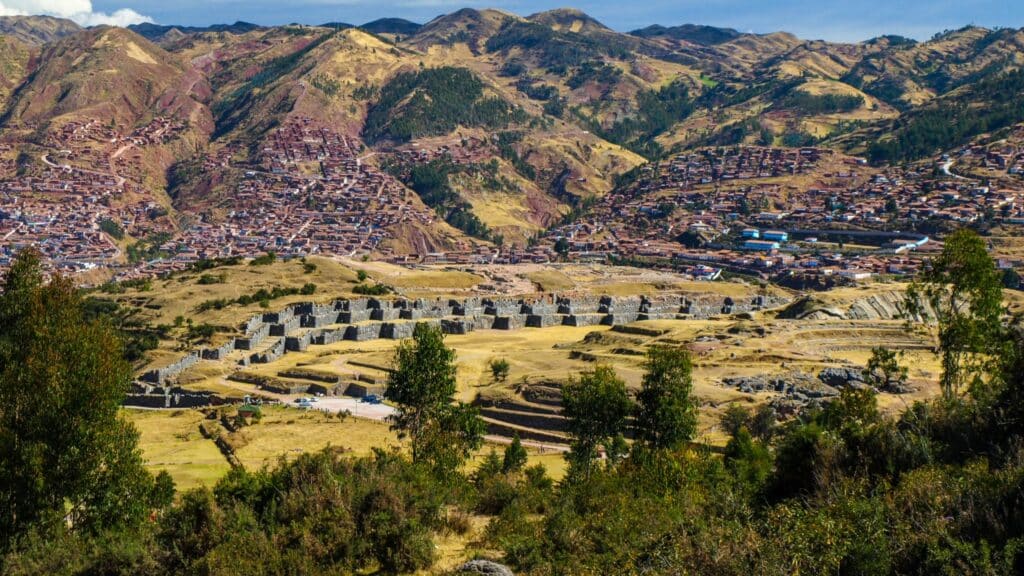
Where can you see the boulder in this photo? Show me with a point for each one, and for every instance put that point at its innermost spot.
(841, 377)
(485, 567)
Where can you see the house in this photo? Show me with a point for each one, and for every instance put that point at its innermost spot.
(855, 274)
(751, 233)
(760, 245)
(777, 235)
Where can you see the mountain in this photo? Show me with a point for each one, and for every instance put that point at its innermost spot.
(110, 75)
(14, 61)
(501, 125)
(570, 20)
(37, 30)
(394, 26)
(906, 73)
(698, 34)
(467, 26)
(156, 31)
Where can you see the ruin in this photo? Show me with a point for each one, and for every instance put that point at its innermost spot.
(361, 319)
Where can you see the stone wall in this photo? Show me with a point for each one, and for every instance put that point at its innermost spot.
(161, 375)
(459, 326)
(362, 319)
(286, 326)
(578, 304)
(181, 399)
(270, 354)
(363, 332)
(220, 352)
(385, 314)
(353, 316)
(543, 320)
(582, 319)
(320, 320)
(397, 330)
(510, 322)
(253, 338)
(298, 343)
(328, 336)
(280, 317)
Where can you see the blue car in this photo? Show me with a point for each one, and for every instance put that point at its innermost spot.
(372, 399)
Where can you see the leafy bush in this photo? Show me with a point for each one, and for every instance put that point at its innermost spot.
(264, 260)
(374, 290)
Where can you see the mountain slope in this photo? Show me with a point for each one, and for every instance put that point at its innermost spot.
(14, 61)
(37, 30)
(110, 75)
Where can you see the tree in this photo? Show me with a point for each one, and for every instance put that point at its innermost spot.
(515, 456)
(962, 290)
(442, 432)
(883, 370)
(596, 407)
(499, 369)
(734, 418)
(666, 415)
(1011, 279)
(749, 459)
(66, 456)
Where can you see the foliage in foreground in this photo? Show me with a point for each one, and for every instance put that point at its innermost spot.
(840, 490)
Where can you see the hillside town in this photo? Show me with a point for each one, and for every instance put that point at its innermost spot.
(772, 212)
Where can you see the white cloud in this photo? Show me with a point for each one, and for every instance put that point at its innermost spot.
(78, 10)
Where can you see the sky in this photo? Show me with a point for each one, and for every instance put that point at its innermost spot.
(845, 21)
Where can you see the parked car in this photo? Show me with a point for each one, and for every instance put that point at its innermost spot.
(372, 399)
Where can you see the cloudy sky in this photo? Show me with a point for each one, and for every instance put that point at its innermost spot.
(831, 20)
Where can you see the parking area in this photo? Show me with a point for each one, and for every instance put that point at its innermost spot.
(353, 405)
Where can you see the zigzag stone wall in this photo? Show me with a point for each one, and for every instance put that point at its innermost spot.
(360, 319)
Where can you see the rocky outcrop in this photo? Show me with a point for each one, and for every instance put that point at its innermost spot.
(886, 305)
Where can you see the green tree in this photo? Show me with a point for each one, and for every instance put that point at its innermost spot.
(66, 456)
(442, 432)
(499, 369)
(749, 459)
(883, 370)
(666, 416)
(515, 456)
(734, 418)
(596, 407)
(962, 291)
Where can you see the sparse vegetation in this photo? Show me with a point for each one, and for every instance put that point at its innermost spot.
(499, 369)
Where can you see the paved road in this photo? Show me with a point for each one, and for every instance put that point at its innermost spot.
(947, 170)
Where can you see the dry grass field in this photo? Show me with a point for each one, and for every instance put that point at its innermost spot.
(285, 432)
(171, 441)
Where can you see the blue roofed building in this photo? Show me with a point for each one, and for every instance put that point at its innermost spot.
(762, 245)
